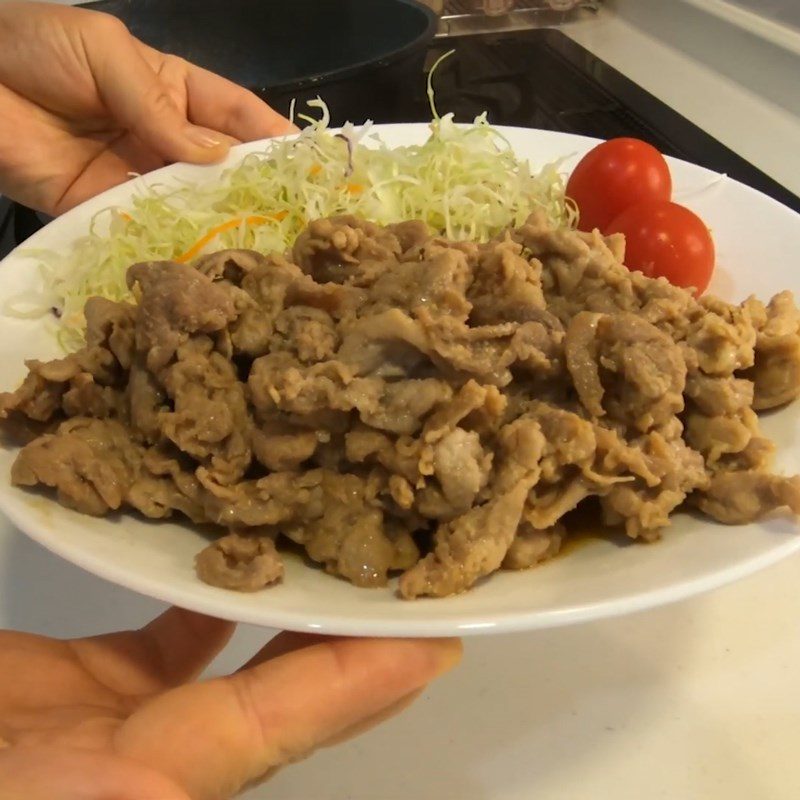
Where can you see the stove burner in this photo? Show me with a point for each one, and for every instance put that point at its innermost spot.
(542, 79)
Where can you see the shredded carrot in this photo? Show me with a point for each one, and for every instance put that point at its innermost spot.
(255, 219)
(126, 217)
(315, 170)
(355, 188)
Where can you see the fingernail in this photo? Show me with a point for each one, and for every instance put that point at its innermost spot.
(448, 655)
(202, 137)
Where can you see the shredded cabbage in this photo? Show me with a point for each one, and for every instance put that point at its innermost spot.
(464, 181)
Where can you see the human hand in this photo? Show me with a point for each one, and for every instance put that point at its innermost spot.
(120, 716)
(83, 103)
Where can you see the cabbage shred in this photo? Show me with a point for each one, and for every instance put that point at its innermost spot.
(464, 181)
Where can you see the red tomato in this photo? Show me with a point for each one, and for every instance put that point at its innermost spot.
(667, 240)
(615, 175)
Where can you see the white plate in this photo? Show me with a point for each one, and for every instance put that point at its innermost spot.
(757, 242)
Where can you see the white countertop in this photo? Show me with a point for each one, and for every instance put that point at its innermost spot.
(697, 701)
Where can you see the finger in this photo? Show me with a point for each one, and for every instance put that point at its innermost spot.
(184, 643)
(216, 102)
(349, 733)
(281, 645)
(56, 773)
(139, 101)
(216, 736)
(369, 723)
(113, 163)
(172, 649)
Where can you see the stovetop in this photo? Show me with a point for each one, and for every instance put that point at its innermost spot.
(540, 79)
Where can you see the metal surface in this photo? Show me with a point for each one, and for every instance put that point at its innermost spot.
(460, 8)
(461, 17)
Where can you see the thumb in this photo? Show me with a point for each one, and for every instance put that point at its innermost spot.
(213, 738)
(53, 772)
(141, 102)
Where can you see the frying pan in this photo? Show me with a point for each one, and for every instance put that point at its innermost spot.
(357, 55)
(347, 51)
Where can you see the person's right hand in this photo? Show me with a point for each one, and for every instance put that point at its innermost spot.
(83, 104)
(120, 716)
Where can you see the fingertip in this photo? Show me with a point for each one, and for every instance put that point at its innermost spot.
(205, 146)
(448, 654)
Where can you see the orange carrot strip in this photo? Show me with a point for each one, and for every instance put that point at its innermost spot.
(255, 219)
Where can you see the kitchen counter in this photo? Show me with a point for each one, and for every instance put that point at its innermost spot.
(697, 701)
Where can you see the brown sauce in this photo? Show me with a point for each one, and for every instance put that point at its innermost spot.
(585, 525)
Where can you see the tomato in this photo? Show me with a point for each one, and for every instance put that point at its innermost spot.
(663, 239)
(615, 175)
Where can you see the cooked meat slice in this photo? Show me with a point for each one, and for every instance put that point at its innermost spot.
(737, 498)
(462, 467)
(723, 337)
(581, 351)
(715, 396)
(468, 548)
(481, 407)
(402, 406)
(758, 455)
(308, 333)
(230, 265)
(158, 497)
(277, 382)
(776, 372)
(617, 460)
(210, 421)
(715, 437)
(176, 301)
(280, 448)
(111, 325)
(625, 367)
(91, 463)
(86, 398)
(278, 498)
(505, 286)
(565, 441)
(146, 398)
(644, 512)
(548, 504)
(400, 456)
(37, 398)
(644, 509)
(389, 344)
(473, 545)
(267, 286)
(531, 547)
(42, 393)
(349, 537)
(329, 248)
(410, 234)
(244, 562)
(437, 284)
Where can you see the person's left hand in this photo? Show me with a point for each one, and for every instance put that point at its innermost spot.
(119, 716)
(83, 104)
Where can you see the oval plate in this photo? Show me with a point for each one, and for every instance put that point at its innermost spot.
(757, 242)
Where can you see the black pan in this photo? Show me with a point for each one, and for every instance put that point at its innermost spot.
(347, 51)
(355, 54)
